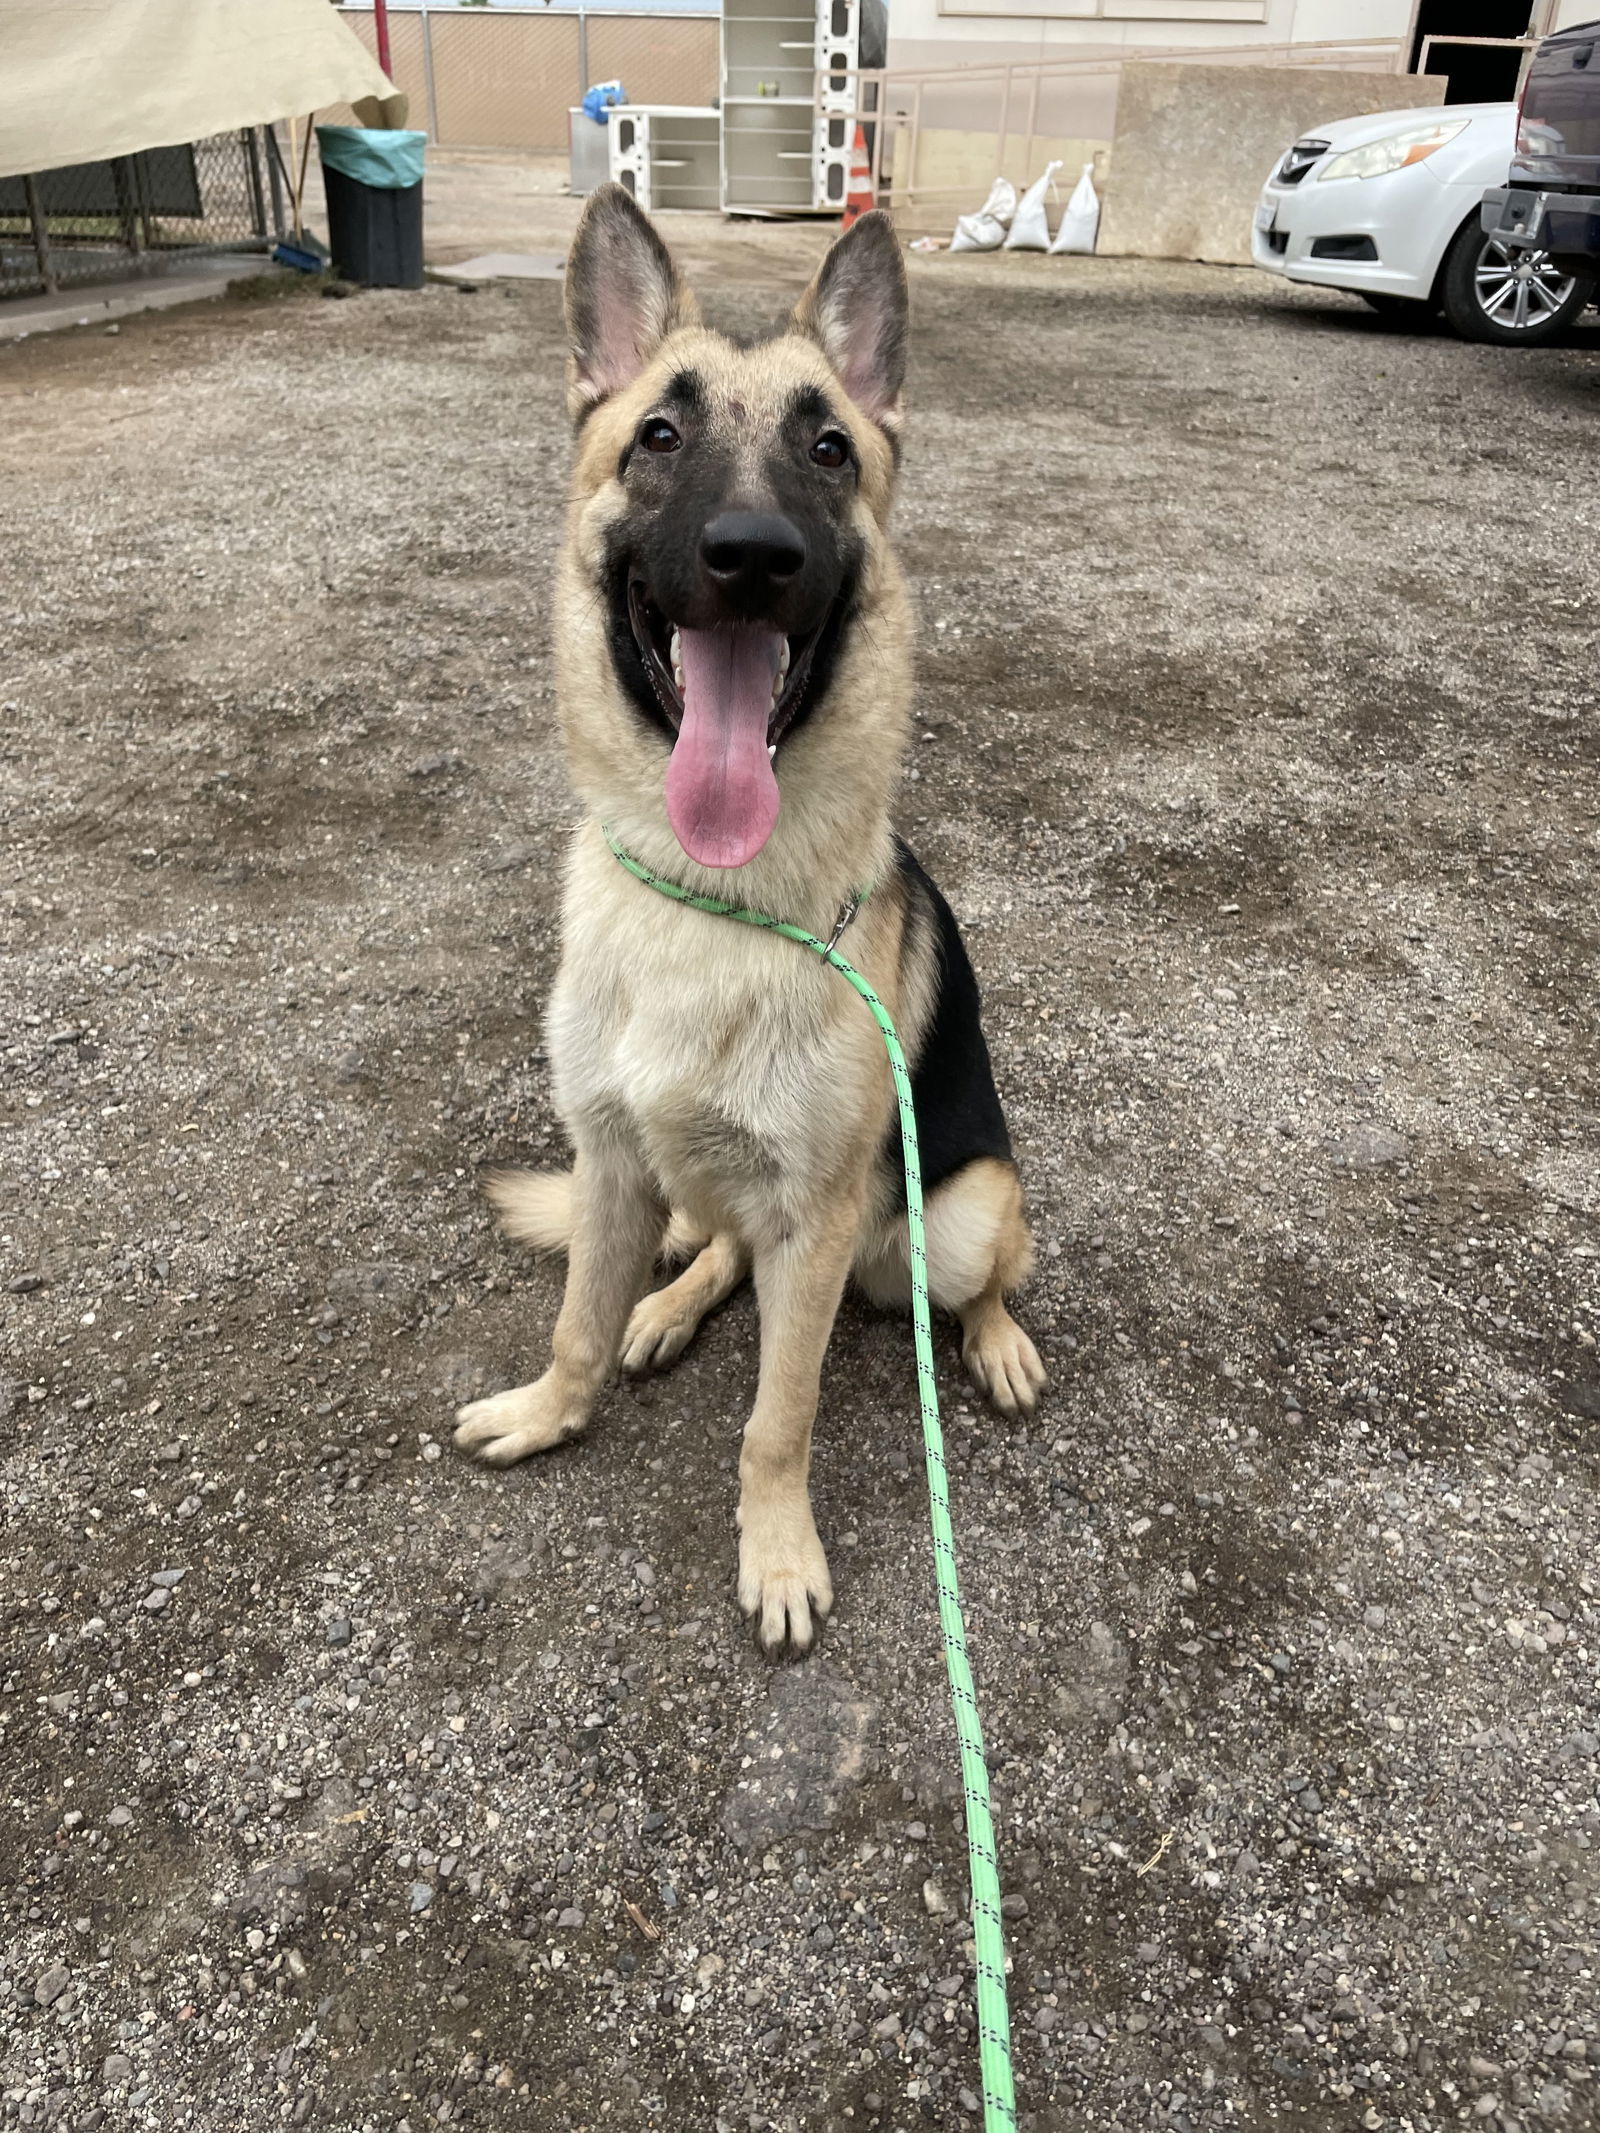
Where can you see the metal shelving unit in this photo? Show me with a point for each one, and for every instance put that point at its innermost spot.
(788, 102)
(667, 155)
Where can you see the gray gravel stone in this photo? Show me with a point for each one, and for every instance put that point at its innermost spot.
(1246, 850)
(808, 1748)
(1370, 1147)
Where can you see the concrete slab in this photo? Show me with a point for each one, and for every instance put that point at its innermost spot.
(108, 300)
(1194, 145)
(505, 266)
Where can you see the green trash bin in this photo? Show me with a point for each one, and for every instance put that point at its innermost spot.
(372, 177)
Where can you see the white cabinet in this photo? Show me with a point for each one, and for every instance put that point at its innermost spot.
(780, 153)
(666, 155)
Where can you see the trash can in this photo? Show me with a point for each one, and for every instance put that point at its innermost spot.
(372, 176)
(588, 152)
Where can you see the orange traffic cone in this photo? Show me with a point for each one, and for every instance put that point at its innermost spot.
(859, 199)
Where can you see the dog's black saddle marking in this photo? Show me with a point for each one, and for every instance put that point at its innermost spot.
(958, 1109)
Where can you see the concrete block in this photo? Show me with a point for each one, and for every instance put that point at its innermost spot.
(505, 266)
(192, 282)
(1194, 145)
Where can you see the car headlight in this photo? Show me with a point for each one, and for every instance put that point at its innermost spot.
(1394, 152)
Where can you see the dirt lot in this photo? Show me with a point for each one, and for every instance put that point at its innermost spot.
(348, 1786)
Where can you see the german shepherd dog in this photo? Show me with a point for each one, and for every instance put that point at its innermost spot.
(734, 668)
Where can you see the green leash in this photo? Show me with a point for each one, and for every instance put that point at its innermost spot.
(994, 2020)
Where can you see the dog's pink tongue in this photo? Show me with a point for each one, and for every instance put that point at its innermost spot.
(722, 799)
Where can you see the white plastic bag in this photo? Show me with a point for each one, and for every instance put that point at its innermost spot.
(1080, 224)
(1030, 228)
(986, 230)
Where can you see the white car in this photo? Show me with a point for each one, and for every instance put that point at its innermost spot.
(1388, 206)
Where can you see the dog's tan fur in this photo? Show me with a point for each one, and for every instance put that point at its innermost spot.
(714, 1077)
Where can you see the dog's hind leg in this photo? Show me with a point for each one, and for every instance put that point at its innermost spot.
(1001, 1360)
(617, 1229)
(975, 1220)
(978, 1251)
(664, 1323)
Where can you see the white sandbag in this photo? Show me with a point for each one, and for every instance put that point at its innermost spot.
(1001, 204)
(1030, 227)
(1080, 224)
(986, 230)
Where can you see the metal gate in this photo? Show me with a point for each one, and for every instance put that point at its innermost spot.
(89, 222)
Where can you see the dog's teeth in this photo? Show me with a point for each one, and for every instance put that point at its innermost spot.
(675, 656)
(772, 749)
(783, 662)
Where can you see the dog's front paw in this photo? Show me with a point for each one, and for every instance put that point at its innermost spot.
(512, 1425)
(783, 1575)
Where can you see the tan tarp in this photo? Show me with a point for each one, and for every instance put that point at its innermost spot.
(84, 79)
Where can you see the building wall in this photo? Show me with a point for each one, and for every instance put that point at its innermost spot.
(941, 33)
(1071, 112)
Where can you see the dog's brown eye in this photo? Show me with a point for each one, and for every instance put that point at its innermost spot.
(830, 449)
(659, 436)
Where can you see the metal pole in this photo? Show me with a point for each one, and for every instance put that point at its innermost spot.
(127, 203)
(583, 51)
(139, 177)
(916, 143)
(1005, 125)
(427, 73)
(879, 107)
(258, 199)
(275, 181)
(380, 22)
(1033, 128)
(41, 234)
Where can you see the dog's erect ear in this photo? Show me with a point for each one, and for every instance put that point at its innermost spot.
(623, 298)
(857, 310)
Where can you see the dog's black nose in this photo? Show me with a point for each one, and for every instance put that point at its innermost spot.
(752, 551)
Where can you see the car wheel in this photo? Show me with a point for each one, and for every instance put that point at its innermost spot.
(1493, 293)
(1412, 311)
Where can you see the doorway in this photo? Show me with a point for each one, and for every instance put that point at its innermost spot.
(1478, 74)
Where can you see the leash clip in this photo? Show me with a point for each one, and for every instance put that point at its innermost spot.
(847, 911)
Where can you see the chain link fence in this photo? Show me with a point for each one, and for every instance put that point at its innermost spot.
(505, 78)
(89, 222)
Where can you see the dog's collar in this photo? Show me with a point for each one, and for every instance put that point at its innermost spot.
(715, 905)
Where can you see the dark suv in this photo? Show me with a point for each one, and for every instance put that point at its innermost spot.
(1551, 201)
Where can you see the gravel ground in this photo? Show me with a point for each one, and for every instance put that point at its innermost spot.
(349, 1786)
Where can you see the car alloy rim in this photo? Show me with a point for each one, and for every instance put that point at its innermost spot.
(1518, 290)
